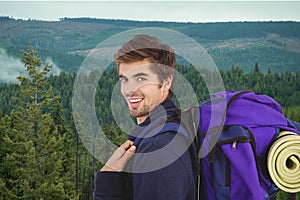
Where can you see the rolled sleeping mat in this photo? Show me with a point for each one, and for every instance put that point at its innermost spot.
(284, 162)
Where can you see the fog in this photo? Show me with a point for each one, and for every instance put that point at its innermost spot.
(12, 67)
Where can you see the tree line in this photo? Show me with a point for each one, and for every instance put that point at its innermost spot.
(41, 153)
(68, 40)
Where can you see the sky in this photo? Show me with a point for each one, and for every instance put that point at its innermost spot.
(175, 11)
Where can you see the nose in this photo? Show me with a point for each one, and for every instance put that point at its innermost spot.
(129, 88)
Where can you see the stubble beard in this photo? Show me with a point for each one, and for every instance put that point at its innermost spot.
(140, 112)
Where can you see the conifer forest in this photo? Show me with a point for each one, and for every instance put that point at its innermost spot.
(41, 153)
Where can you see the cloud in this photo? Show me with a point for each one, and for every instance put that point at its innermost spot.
(12, 67)
(55, 70)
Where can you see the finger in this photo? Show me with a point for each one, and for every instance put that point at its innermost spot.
(129, 154)
(121, 150)
(126, 145)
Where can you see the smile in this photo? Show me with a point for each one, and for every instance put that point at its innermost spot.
(135, 100)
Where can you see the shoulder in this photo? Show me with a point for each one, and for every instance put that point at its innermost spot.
(160, 140)
(167, 152)
(169, 143)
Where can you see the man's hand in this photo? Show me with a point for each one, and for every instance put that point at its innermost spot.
(119, 159)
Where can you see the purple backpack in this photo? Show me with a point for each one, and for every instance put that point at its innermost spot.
(236, 130)
(229, 139)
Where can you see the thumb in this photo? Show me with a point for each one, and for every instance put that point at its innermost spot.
(129, 153)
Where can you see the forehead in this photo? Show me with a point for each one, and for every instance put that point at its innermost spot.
(127, 69)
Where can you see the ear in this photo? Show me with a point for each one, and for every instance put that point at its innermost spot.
(167, 83)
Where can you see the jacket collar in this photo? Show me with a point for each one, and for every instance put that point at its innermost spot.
(157, 116)
(164, 110)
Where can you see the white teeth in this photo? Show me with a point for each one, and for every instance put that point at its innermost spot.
(135, 100)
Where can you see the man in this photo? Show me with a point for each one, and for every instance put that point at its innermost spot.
(146, 69)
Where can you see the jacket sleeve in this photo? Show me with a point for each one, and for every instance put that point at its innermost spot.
(172, 182)
(112, 186)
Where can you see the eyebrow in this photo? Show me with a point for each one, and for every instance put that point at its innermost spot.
(135, 75)
(140, 74)
(121, 76)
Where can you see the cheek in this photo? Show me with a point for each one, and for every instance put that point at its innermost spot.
(151, 88)
(154, 93)
(122, 90)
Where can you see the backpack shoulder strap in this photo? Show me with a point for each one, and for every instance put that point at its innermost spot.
(189, 119)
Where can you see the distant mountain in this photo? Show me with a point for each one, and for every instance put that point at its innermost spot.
(273, 45)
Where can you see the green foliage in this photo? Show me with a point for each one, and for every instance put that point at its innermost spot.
(41, 153)
(265, 55)
(33, 166)
(69, 40)
(286, 196)
(293, 113)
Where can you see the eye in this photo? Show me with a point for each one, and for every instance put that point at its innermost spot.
(123, 79)
(141, 79)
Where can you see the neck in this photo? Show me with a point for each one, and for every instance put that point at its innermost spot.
(141, 119)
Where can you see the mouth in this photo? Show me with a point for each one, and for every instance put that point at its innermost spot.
(134, 102)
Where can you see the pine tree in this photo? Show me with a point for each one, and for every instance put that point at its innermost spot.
(34, 163)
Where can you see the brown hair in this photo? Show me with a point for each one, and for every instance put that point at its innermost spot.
(147, 47)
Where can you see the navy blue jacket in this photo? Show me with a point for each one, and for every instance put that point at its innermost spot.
(161, 172)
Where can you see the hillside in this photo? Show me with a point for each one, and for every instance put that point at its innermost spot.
(273, 45)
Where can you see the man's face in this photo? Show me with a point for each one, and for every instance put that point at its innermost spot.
(141, 88)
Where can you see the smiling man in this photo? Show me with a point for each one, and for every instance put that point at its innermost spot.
(146, 69)
(141, 87)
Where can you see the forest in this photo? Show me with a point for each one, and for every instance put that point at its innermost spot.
(68, 40)
(41, 153)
